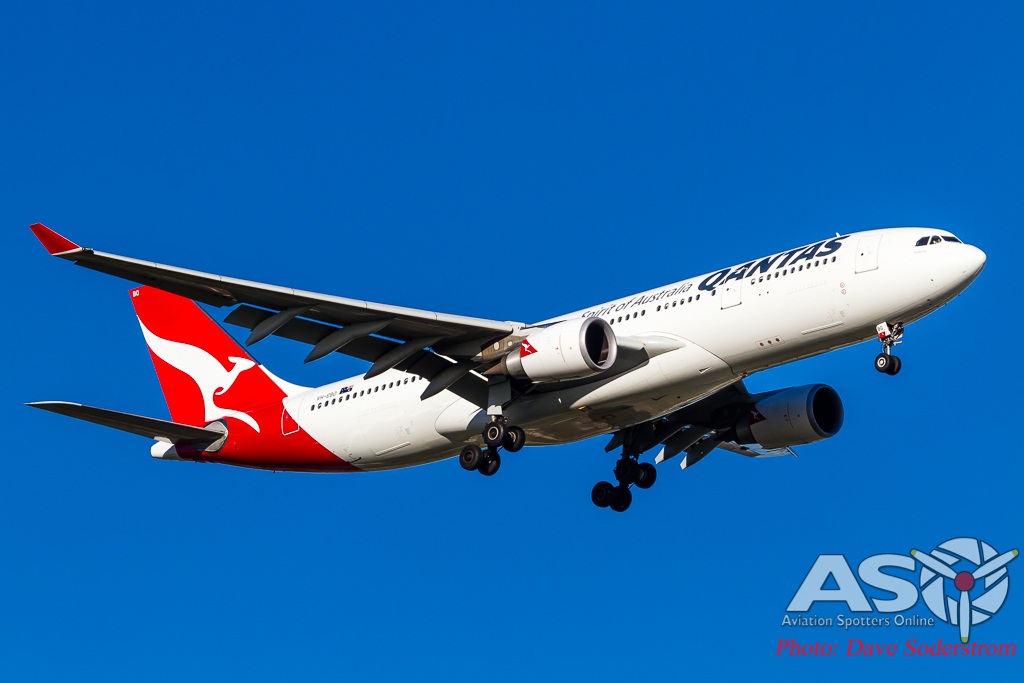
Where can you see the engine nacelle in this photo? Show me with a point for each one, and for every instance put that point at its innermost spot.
(572, 349)
(792, 417)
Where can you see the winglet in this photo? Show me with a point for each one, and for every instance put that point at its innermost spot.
(54, 243)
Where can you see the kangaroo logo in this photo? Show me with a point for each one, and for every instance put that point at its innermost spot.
(205, 370)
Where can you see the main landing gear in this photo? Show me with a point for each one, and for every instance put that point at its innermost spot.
(890, 337)
(496, 435)
(628, 471)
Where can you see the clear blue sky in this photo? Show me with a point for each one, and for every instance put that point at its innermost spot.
(512, 162)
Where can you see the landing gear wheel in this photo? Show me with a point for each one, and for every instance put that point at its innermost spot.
(622, 499)
(471, 457)
(514, 440)
(646, 476)
(603, 494)
(894, 365)
(883, 362)
(627, 471)
(491, 463)
(494, 434)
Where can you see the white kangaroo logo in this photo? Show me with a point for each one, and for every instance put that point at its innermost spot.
(205, 370)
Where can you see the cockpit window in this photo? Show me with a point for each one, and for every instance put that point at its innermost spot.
(936, 239)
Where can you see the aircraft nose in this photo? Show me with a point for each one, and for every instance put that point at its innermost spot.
(973, 260)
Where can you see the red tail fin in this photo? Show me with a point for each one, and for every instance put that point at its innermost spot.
(205, 375)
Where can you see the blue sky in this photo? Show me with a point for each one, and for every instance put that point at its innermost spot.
(510, 162)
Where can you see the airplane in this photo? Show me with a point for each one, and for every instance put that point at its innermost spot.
(660, 369)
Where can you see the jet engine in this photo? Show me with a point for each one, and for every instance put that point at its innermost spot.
(572, 349)
(793, 416)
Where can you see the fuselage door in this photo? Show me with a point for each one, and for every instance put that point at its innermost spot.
(867, 253)
(730, 293)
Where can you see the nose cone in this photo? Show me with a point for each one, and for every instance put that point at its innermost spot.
(973, 261)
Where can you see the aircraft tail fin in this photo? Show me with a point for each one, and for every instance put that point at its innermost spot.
(204, 373)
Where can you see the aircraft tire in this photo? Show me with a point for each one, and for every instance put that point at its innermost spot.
(622, 499)
(471, 457)
(491, 463)
(646, 476)
(514, 440)
(603, 494)
(895, 364)
(494, 434)
(883, 362)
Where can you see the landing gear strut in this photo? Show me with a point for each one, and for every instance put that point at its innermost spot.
(496, 435)
(628, 471)
(890, 337)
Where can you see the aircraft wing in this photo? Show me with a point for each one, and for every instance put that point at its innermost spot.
(162, 430)
(695, 430)
(444, 349)
(453, 335)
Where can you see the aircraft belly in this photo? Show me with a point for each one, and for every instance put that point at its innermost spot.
(405, 434)
(666, 383)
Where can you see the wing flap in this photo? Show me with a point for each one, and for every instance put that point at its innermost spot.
(422, 363)
(754, 451)
(163, 430)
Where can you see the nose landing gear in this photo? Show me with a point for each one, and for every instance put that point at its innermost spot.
(890, 337)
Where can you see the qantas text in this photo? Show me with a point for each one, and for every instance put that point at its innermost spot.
(768, 264)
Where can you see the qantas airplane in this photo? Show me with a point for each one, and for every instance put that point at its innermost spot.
(660, 369)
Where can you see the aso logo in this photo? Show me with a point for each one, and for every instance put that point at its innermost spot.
(963, 581)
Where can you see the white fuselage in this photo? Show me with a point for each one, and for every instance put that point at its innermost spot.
(723, 325)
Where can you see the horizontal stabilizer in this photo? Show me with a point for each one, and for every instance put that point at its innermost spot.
(163, 430)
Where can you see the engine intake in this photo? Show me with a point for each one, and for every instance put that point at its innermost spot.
(572, 349)
(793, 416)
